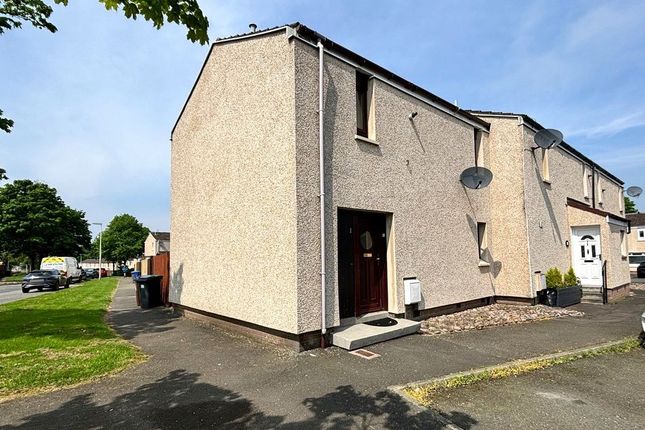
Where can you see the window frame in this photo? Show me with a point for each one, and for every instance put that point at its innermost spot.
(640, 234)
(546, 174)
(623, 244)
(362, 104)
(482, 241)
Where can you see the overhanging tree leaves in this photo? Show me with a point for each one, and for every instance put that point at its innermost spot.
(35, 222)
(123, 238)
(13, 13)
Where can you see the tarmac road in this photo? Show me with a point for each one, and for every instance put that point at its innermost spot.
(12, 292)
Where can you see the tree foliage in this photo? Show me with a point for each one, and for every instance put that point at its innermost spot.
(35, 222)
(123, 238)
(13, 13)
(630, 206)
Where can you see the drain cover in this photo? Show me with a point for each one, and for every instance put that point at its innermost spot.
(363, 353)
(384, 322)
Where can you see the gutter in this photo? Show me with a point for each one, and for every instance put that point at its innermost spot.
(321, 156)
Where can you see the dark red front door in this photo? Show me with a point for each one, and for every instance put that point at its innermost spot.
(370, 274)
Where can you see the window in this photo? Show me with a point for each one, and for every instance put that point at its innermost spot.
(586, 177)
(600, 192)
(479, 148)
(545, 165)
(641, 234)
(623, 244)
(362, 104)
(482, 241)
(621, 201)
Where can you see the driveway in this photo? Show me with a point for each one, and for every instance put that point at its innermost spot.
(202, 377)
(13, 292)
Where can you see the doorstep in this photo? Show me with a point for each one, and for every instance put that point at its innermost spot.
(360, 335)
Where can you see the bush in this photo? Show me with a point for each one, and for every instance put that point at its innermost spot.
(554, 278)
(570, 278)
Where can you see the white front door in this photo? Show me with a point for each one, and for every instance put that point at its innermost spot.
(586, 255)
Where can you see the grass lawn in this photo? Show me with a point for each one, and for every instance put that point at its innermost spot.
(13, 278)
(60, 339)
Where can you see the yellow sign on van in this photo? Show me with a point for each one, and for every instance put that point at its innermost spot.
(53, 260)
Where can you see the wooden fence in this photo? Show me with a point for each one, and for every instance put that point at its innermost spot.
(160, 265)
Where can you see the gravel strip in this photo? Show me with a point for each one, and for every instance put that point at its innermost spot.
(637, 286)
(490, 316)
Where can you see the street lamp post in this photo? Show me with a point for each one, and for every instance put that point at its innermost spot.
(100, 244)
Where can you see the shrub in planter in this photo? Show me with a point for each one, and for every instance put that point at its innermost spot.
(553, 278)
(562, 292)
(570, 278)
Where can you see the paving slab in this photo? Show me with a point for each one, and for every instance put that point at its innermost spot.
(199, 376)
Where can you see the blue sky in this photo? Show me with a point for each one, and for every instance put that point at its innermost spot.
(94, 100)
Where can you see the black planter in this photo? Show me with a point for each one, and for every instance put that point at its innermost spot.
(562, 297)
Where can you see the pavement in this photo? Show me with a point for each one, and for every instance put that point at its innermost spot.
(606, 392)
(13, 292)
(199, 376)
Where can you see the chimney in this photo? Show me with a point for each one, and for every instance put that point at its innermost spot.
(253, 27)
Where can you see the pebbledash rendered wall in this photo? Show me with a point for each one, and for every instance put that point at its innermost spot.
(531, 220)
(411, 173)
(233, 192)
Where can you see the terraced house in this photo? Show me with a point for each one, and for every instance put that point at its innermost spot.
(313, 189)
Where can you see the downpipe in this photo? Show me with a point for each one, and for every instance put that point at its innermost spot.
(321, 155)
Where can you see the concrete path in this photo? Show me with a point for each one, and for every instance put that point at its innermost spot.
(202, 377)
(13, 292)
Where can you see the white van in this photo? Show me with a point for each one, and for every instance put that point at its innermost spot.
(68, 266)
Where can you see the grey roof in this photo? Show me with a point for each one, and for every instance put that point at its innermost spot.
(636, 219)
(312, 36)
(160, 235)
(533, 123)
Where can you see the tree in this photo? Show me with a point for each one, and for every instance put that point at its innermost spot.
(36, 222)
(123, 238)
(36, 12)
(630, 206)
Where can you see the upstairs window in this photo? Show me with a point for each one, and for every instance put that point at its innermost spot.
(479, 148)
(586, 181)
(362, 104)
(482, 241)
(641, 234)
(623, 244)
(545, 165)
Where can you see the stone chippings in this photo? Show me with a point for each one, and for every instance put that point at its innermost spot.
(490, 316)
(637, 286)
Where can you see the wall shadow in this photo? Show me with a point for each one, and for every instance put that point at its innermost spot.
(180, 400)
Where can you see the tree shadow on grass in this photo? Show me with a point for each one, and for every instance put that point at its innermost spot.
(179, 400)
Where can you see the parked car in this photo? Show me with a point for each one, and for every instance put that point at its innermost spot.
(68, 266)
(634, 261)
(83, 275)
(104, 273)
(640, 270)
(40, 279)
(91, 273)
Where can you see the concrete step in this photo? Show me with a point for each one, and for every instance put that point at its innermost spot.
(360, 335)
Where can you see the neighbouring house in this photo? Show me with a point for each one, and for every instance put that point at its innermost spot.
(93, 263)
(156, 243)
(254, 155)
(552, 208)
(636, 240)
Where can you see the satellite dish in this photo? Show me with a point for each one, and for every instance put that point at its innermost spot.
(634, 191)
(548, 138)
(476, 177)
